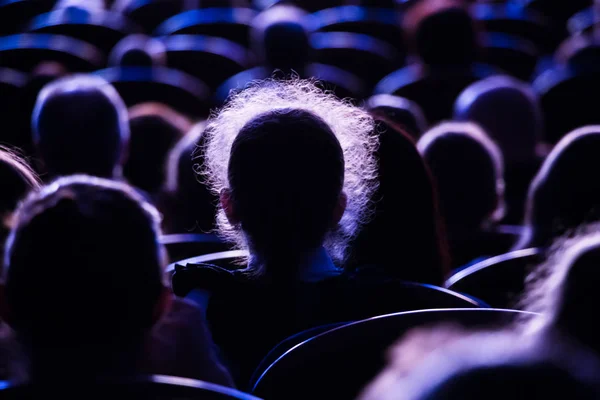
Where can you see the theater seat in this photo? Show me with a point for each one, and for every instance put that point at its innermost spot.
(176, 89)
(14, 14)
(512, 19)
(368, 58)
(337, 364)
(343, 83)
(149, 13)
(500, 280)
(210, 59)
(102, 29)
(380, 23)
(24, 51)
(229, 23)
(156, 387)
(512, 54)
(186, 245)
(225, 259)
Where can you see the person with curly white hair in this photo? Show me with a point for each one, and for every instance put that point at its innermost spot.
(294, 169)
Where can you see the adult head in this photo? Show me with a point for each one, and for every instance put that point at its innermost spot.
(467, 167)
(80, 125)
(402, 112)
(563, 289)
(155, 129)
(441, 33)
(406, 234)
(280, 38)
(565, 193)
(492, 366)
(17, 179)
(508, 110)
(83, 276)
(294, 168)
(138, 51)
(192, 206)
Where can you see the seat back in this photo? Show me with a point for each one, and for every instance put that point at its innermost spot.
(510, 53)
(150, 13)
(369, 58)
(211, 59)
(102, 29)
(154, 387)
(498, 280)
(185, 245)
(174, 88)
(225, 259)
(340, 362)
(228, 23)
(381, 23)
(24, 51)
(14, 14)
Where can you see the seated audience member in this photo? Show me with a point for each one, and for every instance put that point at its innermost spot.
(294, 169)
(80, 126)
(565, 193)
(403, 112)
(154, 131)
(468, 170)
(280, 39)
(509, 111)
(83, 258)
(405, 239)
(493, 366)
(563, 290)
(18, 179)
(443, 42)
(190, 206)
(138, 51)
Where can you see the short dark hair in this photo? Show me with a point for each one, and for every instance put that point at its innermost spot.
(80, 127)
(83, 267)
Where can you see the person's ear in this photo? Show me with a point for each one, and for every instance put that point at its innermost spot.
(340, 208)
(227, 204)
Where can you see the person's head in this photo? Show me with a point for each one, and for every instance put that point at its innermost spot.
(193, 207)
(566, 192)
(441, 33)
(83, 275)
(17, 179)
(155, 129)
(563, 289)
(294, 168)
(492, 366)
(508, 110)
(402, 112)
(80, 125)
(138, 51)
(280, 38)
(467, 167)
(407, 221)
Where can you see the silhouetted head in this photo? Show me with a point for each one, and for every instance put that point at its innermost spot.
(468, 170)
(563, 289)
(441, 33)
(280, 38)
(155, 129)
(80, 126)
(193, 207)
(294, 168)
(406, 234)
(566, 192)
(493, 366)
(508, 110)
(138, 51)
(402, 112)
(83, 275)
